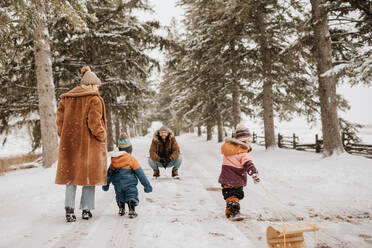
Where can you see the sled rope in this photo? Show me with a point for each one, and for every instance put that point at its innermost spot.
(291, 210)
(278, 214)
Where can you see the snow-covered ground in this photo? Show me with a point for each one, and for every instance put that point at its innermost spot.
(333, 193)
(18, 142)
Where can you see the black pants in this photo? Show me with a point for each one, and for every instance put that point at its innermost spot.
(228, 192)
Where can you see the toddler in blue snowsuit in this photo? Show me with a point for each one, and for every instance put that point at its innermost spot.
(123, 173)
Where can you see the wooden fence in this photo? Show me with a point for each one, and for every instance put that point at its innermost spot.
(293, 142)
(356, 148)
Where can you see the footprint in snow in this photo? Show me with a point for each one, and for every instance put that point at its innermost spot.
(216, 234)
(366, 238)
(213, 189)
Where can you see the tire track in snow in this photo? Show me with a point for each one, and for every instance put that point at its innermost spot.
(181, 213)
(209, 178)
(217, 197)
(81, 231)
(216, 213)
(206, 180)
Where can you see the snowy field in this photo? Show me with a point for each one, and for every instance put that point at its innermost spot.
(333, 193)
(18, 142)
(305, 132)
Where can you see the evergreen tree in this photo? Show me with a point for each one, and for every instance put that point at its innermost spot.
(33, 17)
(208, 52)
(350, 29)
(106, 35)
(114, 45)
(234, 47)
(327, 83)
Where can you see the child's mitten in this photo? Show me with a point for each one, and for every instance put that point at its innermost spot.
(148, 189)
(251, 169)
(255, 177)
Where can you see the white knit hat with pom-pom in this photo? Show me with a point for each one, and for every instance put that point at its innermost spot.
(89, 77)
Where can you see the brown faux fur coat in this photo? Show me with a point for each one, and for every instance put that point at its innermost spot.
(172, 151)
(81, 123)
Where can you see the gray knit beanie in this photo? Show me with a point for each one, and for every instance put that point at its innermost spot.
(164, 128)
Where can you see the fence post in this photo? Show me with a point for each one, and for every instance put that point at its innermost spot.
(294, 141)
(279, 140)
(317, 144)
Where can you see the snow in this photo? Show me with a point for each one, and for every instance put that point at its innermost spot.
(18, 142)
(336, 69)
(334, 193)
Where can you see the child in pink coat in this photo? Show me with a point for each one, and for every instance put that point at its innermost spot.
(235, 167)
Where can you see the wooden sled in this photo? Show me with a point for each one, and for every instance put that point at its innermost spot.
(288, 235)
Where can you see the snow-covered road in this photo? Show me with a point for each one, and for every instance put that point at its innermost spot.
(334, 193)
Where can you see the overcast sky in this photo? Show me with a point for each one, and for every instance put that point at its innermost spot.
(166, 9)
(359, 97)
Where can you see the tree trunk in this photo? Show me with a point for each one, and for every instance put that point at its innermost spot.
(132, 131)
(137, 129)
(124, 127)
(235, 86)
(236, 102)
(209, 131)
(180, 126)
(327, 84)
(45, 88)
(268, 98)
(199, 130)
(220, 128)
(117, 130)
(176, 130)
(110, 136)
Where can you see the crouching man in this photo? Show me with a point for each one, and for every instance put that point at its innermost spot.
(164, 152)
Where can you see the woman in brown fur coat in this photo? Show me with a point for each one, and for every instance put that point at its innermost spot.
(81, 126)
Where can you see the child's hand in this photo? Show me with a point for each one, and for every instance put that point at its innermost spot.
(105, 188)
(252, 170)
(148, 189)
(256, 179)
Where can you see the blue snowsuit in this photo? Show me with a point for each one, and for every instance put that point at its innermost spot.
(124, 173)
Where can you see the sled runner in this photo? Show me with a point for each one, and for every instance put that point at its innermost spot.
(288, 235)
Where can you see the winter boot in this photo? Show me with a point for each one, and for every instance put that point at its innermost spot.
(86, 215)
(132, 213)
(70, 216)
(175, 173)
(121, 208)
(232, 209)
(156, 173)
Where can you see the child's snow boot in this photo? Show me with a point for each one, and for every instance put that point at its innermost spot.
(70, 215)
(232, 209)
(86, 215)
(156, 173)
(121, 208)
(132, 213)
